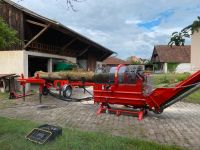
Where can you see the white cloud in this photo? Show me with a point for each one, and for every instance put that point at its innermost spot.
(132, 21)
(114, 23)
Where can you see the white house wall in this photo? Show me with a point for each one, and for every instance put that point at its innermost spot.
(195, 51)
(183, 67)
(17, 61)
(12, 62)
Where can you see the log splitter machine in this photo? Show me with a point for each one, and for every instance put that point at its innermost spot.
(125, 86)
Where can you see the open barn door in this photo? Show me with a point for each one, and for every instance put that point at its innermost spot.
(37, 64)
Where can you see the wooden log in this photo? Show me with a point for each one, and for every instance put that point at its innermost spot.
(75, 75)
(68, 75)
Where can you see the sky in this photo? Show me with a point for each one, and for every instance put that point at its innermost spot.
(128, 27)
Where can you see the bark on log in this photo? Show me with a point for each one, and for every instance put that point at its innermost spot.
(68, 75)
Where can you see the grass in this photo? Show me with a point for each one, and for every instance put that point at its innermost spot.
(193, 98)
(3, 96)
(165, 80)
(160, 80)
(5, 102)
(12, 133)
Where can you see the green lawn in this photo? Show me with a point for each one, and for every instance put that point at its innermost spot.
(166, 80)
(3, 96)
(12, 133)
(193, 98)
(160, 80)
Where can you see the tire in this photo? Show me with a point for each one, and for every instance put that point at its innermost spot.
(67, 92)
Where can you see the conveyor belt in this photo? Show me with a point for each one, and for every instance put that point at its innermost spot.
(181, 95)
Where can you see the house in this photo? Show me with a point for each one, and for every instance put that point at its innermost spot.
(175, 58)
(44, 42)
(195, 50)
(114, 61)
(134, 59)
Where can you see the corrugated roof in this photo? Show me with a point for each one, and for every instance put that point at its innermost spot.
(27, 11)
(114, 61)
(174, 54)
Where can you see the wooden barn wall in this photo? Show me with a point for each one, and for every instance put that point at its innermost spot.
(14, 18)
(91, 62)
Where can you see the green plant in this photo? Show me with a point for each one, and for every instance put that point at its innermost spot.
(178, 38)
(172, 66)
(136, 62)
(8, 36)
(194, 27)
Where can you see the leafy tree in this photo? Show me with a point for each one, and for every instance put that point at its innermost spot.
(136, 63)
(178, 38)
(8, 36)
(69, 3)
(147, 62)
(193, 27)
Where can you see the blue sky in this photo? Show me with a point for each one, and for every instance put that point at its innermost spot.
(150, 24)
(129, 27)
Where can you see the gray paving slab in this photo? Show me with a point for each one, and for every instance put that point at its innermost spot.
(177, 125)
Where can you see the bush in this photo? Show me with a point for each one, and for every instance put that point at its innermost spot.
(8, 36)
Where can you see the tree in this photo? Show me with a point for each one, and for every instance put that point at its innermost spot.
(178, 38)
(136, 63)
(8, 36)
(70, 4)
(193, 27)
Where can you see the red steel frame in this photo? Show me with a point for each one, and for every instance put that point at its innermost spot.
(160, 95)
(121, 94)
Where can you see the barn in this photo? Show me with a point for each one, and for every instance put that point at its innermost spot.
(44, 42)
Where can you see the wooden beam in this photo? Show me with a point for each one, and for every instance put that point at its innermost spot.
(36, 23)
(84, 51)
(69, 43)
(36, 36)
(103, 56)
(22, 28)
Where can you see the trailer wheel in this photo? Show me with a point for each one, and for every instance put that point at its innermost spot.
(67, 91)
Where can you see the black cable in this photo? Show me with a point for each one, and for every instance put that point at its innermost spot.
(69, 99)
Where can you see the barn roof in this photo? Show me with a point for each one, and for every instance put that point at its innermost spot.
(107, 51)
(174, 54)
(114, 61)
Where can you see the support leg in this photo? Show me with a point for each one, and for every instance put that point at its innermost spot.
(100, 109)
(24, 94)
(40, 93)
(140, 115)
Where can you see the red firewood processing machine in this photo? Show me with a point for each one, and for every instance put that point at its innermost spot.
(123, 85)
